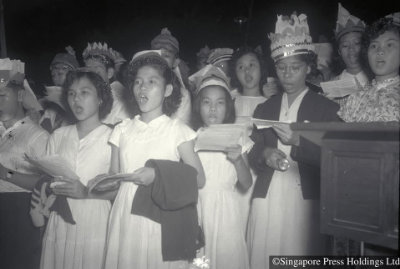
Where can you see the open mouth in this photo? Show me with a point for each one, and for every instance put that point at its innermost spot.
(248, 78)
(77, 109)
(142, 99)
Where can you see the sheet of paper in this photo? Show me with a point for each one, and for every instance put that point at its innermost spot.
(53, 165)
(263, 124)
(339, 88)
(220, 136)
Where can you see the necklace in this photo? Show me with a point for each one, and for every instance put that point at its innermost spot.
(385, 82)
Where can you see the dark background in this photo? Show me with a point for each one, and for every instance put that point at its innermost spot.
(37, 29)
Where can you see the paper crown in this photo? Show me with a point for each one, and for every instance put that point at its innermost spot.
(347, 23)
(11, 71)
(291, 37)
(68, 58)
(106, 54)
(209, 75)
(166, 38)
(219, 55)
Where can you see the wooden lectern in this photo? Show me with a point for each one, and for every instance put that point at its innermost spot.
(359, 179)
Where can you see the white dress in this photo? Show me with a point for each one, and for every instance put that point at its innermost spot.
(284, 223)
(79, 246)
(220, 212)
(134, 241)
(244, 109)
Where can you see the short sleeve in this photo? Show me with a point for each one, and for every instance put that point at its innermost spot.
(116, 133)
(183, 132)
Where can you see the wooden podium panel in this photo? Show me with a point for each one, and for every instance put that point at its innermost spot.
(359, 179)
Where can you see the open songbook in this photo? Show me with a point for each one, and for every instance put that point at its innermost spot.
(106, 182)
(262, 124)
(58, 167)
(53, 165)
(340, 88)
(218, 137)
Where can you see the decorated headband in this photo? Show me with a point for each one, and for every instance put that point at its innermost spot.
(209, 75)
(219, 55)
(146, 53)
(291, 37)
(102, 51)
(347, 23)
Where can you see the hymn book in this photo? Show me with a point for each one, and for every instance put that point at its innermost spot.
(106, 182)
(263, 124)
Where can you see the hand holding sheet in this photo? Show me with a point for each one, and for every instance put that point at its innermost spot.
(219, 137)
(263, 124)
(339, 88)
(53, 165)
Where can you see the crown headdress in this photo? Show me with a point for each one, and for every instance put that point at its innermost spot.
(347, 23)
(209, 75)
(165, 37)
(68, 58)
(102, 51)
(11, 71)
(291, 37)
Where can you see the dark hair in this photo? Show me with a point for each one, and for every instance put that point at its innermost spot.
(230, 115)
(103, 90)
(171, 102)
(232, 67)
(372, 32)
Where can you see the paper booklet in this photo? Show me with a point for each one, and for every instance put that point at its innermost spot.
(263, 124)
(53, 165)
(218, 137)
(106, 182)
(339, 88)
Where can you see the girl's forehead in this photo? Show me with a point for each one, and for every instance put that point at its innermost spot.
(387, 35)
(213, 91)
(350, 37)
(248, 57)
(148, 70)
(82, 82)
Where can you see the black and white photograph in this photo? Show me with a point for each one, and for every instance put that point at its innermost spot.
(199, 134)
